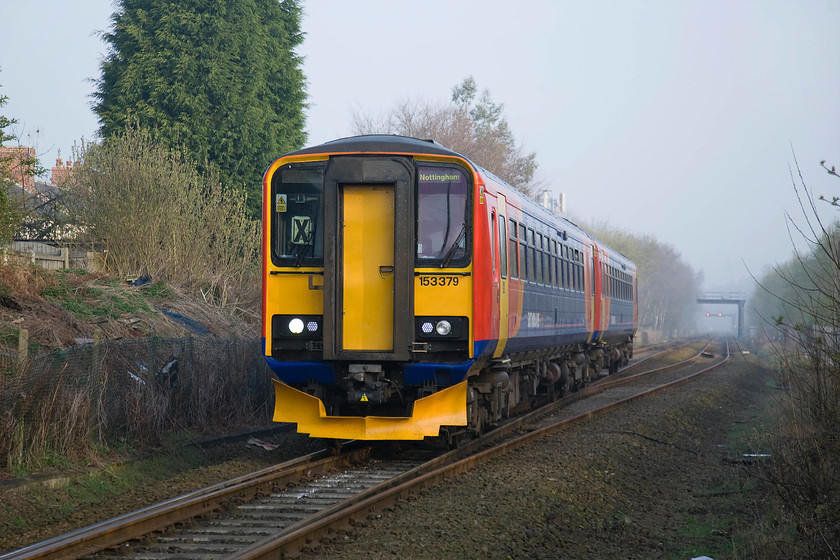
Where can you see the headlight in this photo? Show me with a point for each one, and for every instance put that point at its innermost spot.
(437, 328)
(295, 326)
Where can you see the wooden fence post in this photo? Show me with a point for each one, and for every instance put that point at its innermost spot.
(23, 347)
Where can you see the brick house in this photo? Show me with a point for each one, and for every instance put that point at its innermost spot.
(13, 158)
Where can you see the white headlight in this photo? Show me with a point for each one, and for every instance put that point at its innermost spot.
(443, 327)
(295, 326)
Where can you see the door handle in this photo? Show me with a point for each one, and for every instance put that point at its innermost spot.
(383, 270)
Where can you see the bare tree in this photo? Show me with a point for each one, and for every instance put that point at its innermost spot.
(470, 124)
(801, 302)
(667, 285)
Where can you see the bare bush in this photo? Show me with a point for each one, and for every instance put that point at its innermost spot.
(155, 214)
(140, 393)
(803, 299)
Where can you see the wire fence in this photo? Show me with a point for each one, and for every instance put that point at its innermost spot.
(66, 403)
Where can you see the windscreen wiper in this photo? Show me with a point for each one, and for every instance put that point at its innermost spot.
(303, 248)
(451, 252)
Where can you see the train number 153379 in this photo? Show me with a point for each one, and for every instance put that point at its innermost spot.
(439, 280)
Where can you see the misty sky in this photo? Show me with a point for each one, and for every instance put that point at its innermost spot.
(674, 119)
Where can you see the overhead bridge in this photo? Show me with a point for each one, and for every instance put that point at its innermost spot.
(727, 298)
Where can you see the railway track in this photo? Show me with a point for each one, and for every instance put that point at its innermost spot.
(281, 509)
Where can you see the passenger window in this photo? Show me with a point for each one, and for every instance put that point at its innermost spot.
(503, 247)
(564, 274)
(514, 251)
(493, 241)
(532, 257)
(546, 260)
(523, 253)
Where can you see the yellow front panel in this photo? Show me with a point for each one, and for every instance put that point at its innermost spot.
(368, 271)
(447, 407)
(437, 294)
(293, 294)
(442, 294)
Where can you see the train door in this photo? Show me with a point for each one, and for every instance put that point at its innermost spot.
(502, 293)
(597, 287)
(367, 255)
(494, 267)
(368, 258)
(589, 289)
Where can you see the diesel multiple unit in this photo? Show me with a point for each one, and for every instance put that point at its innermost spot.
(409, 293)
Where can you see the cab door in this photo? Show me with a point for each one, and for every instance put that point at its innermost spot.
(367, 251)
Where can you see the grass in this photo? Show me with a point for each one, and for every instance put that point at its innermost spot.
(105, 297)
(159, 290)
(721, 521)
(103, 484)
(9, 336)
(185, 436)
(695, 528)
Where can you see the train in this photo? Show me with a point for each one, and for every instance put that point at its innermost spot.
(409, 293)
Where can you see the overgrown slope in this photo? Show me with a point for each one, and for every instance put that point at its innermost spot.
(62, 309)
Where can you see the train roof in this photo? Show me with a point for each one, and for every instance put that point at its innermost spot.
(379, 143)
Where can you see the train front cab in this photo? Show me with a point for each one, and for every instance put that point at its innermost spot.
(367, 293)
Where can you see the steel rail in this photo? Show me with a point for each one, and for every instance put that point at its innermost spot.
(97, 537)
(667, 349)
(377, 499)
(594, 388)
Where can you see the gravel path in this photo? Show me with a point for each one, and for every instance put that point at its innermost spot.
(660, 478)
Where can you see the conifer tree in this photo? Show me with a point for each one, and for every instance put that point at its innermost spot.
(218, 77)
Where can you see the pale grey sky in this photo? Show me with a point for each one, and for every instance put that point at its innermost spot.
(675, 119)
